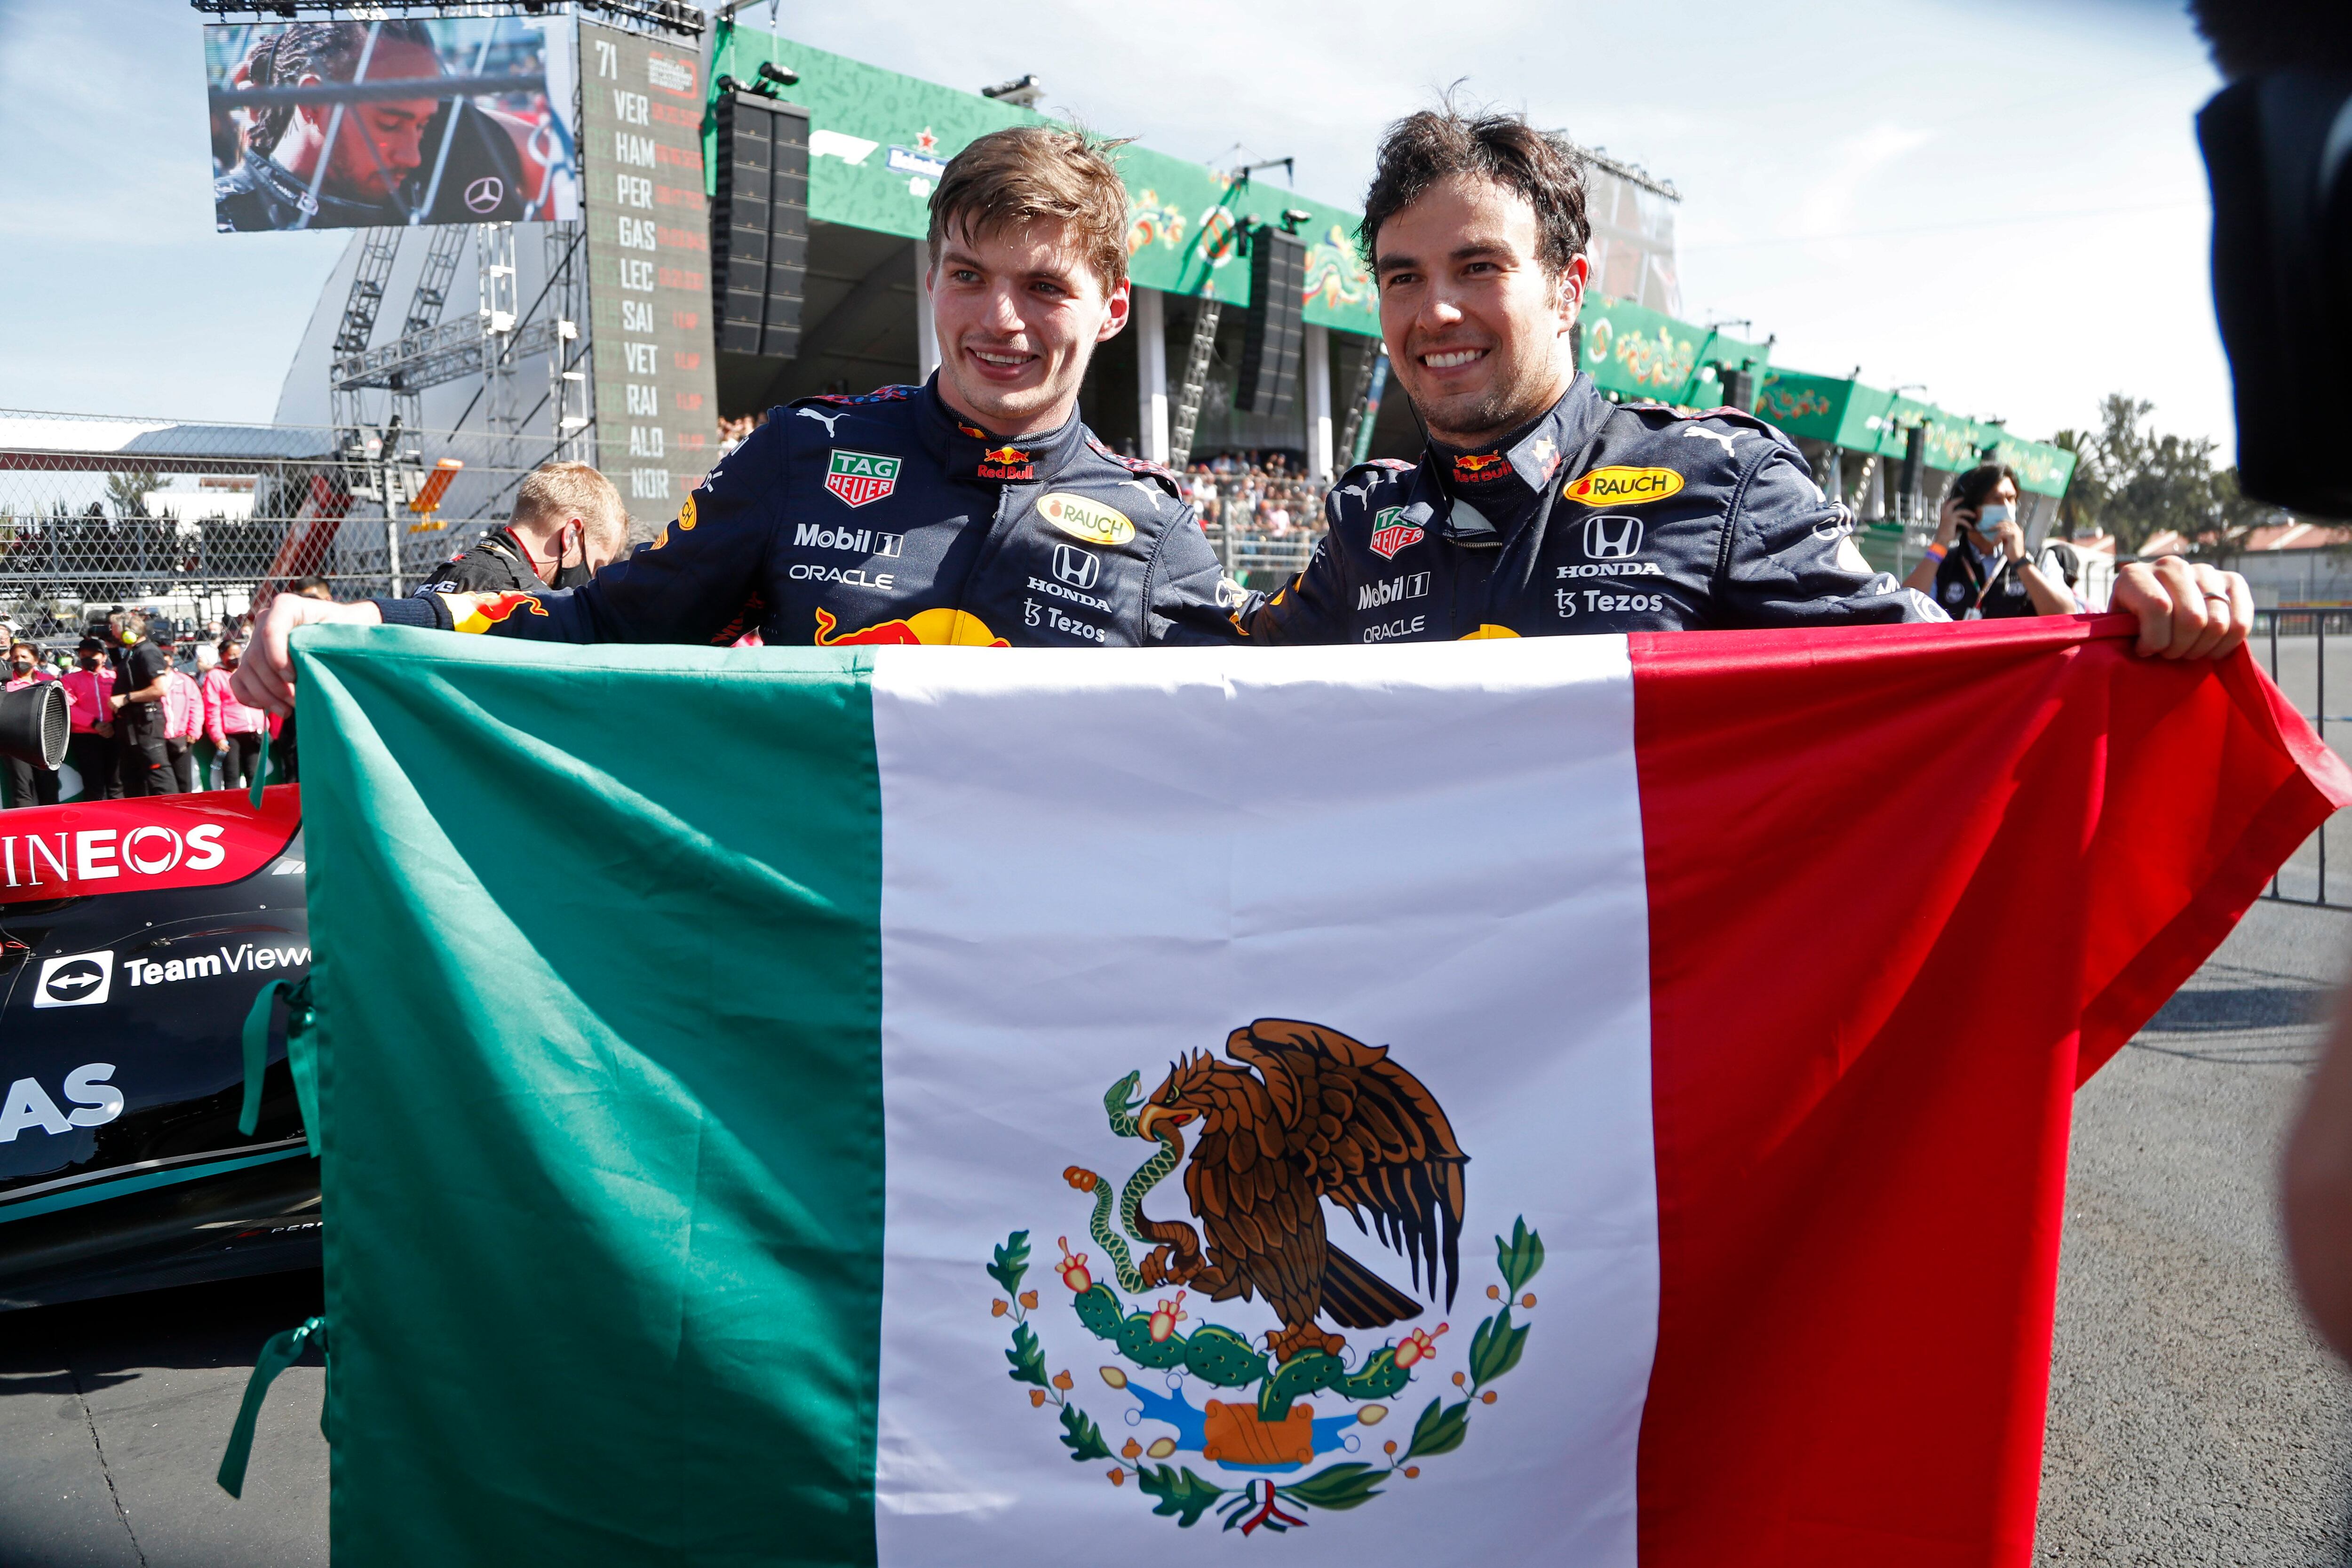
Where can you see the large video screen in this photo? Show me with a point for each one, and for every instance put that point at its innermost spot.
(365, 124)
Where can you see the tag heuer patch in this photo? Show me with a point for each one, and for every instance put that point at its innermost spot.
(1389, 535)
(861, 476)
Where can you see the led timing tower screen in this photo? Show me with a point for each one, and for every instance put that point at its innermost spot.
(648, 263)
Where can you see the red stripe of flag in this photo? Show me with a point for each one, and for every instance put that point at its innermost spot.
(2019, 841)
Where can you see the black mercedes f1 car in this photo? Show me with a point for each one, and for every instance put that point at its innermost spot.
(134, 937)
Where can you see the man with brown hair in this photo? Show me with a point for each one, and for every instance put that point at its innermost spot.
(561, 510)
(976, 508)
(1539, 507)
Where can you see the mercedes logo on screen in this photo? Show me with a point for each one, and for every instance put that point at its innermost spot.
(75, 979)
(484, 194)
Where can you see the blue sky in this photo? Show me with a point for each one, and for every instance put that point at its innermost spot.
(2000, 202)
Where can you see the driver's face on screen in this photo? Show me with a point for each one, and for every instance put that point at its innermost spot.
(381, 143)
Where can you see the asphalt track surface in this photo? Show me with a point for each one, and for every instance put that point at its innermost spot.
(2193, 1418)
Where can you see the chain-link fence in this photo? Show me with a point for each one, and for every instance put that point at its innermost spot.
(2309, 654)
(193, 522)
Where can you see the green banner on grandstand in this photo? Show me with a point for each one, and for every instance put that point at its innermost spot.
(878, 140)
(1645, 354)
(1865, 419)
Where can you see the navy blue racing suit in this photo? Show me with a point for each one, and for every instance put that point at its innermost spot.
(1597, 518)
(887, 518)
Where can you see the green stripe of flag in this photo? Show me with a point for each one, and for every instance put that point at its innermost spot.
(520, 1130)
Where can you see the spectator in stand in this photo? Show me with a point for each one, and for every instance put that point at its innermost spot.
(28, 783)
(184, 726)
(1977, 568)
(236, 731)
(90, 754)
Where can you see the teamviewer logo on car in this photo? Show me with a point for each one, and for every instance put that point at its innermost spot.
(75, 979)
(1612, 538)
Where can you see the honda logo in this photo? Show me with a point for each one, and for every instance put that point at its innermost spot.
(1610, 538)
(1074, 566)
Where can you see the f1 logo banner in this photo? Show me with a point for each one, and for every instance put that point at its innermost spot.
(649, 264)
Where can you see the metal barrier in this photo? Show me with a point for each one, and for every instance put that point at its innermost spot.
(190, 521)
(2283, 639)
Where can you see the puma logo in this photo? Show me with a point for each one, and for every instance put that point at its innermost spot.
(827, 420)
(1725, 441)
(1150, 493)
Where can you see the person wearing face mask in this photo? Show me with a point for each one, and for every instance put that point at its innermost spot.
(90, 752)
(568, 522)
(28, 783)
(238, 732)
(1976, 569)
(184, 727)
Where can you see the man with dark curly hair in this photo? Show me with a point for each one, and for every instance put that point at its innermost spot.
(1539, 507)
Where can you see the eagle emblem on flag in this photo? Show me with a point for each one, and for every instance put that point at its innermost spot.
(1295, 1114)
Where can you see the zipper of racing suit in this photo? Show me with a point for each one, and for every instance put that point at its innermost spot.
(1531, 536)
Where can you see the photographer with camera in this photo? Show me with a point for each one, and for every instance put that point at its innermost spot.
(1976, 569)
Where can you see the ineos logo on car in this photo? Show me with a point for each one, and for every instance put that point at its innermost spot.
(75, 979)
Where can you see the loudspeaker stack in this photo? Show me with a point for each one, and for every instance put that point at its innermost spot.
(1272, 330)
(759, 224)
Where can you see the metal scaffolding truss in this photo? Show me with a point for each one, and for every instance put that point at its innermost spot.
(682, 17)
(449, 351)
(1195, 383)
(432, 293)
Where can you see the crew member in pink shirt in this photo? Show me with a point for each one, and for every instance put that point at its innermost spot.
(238, 732)
(184, 726)
(28, 783)
(90, 753)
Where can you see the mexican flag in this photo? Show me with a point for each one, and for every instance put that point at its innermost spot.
(1590, 1100)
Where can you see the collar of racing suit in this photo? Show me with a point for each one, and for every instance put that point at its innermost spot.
(1502, 485)
(968, 452)
(283, 186)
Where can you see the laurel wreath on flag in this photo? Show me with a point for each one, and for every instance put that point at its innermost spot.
(1226, 1359)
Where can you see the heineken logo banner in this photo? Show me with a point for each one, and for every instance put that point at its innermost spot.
(1489, 1102)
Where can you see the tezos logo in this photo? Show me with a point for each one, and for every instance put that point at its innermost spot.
(858, 478)
(75, 979)
(1620, 486)
(1608, 538)
(484, 194)
(1076, 566)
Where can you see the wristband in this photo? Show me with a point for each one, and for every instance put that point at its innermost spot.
(1936, 553)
